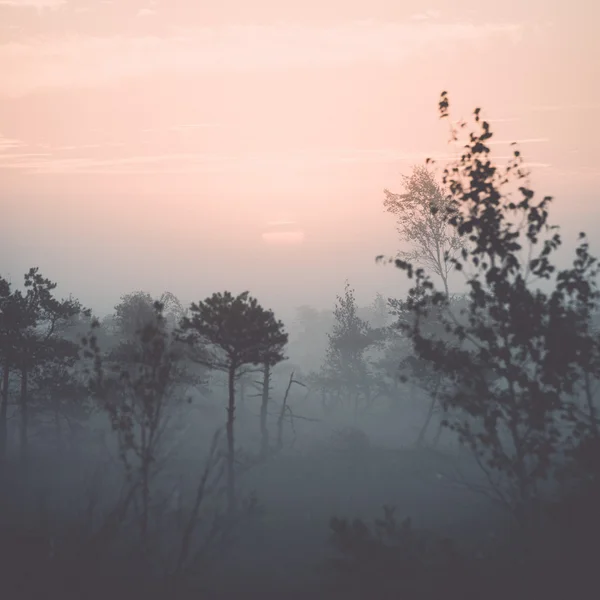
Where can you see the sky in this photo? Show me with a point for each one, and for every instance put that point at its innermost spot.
(194, 147)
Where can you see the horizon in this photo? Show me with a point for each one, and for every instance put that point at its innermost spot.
(151, 145)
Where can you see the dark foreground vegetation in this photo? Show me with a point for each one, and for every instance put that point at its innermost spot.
(442, 446)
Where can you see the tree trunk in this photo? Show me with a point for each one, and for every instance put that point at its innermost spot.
(430, 412)
(445, 282)
(436, 439)
(24, 424)
(441, 265)
(423, 431)
(264, 431)
(231, 443)
(58, 428)
(355, 409)
(146, 458)
(282, 413)
(4, 411)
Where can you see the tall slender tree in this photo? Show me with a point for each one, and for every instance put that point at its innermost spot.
(421, 220)
(346, 368)
(138, 396)
(133, 313)
(273, 356)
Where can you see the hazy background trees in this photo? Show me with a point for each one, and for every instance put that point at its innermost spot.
(519, 362)
(31, 345)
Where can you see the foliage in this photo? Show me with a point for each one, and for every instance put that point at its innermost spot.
(351, 440)
(421, 218)
(139, 395)
(173, 310)
(232, 332)
(133, 313)
(30, 324)
(380, 312)
(520, 358)
(140, 389)
(30, 320)
(240, 331)
(394, 558)
(346, 372)
(59, 389)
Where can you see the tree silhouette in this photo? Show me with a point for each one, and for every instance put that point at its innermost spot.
(140, 396)
(418, 370)
(237, 331)
(271, 358)
(7, 309)
(133, 313)
(379, 312)
(30, 324)
(138, 389)
(521, 359)
(59, 392)
(421, 219)
(346, 368)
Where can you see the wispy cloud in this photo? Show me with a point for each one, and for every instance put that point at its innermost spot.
(79, 147)
(580, 172)
(504, 120)
(532, 164)
(184, 127)
(8, 160)
(37, 4)
(517, 141)
(52, 62)
(7, 144)
(170, 163)
(564, 107)
(177, 163)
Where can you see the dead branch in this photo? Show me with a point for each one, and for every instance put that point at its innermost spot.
(284, 409)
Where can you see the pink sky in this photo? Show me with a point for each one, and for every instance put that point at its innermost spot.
(148, 144)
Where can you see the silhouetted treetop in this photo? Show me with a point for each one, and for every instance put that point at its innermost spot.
(134, 312)
(31, 320)
(244, 330)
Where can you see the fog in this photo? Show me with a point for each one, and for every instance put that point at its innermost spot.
(98, 260)
(210, 386)
(327, 457)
